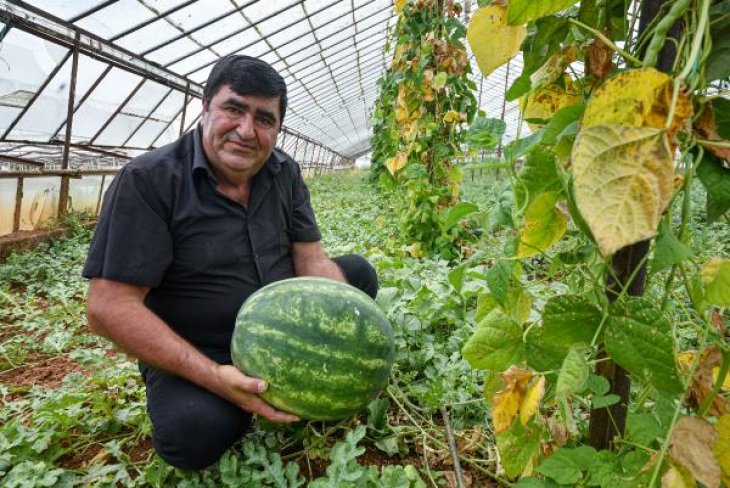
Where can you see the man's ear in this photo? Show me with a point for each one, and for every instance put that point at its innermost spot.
(205, 104)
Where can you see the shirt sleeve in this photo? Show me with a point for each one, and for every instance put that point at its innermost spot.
(304, 223)
(132, 242)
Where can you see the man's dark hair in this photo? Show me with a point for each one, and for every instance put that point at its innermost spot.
(246, 76)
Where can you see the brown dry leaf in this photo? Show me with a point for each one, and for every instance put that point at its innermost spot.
(451, 479)
(705, 376)
(691, 446)
(637, 98)
(718, 323)
(491, 39)
(623, 182)
(599, 59)
(707, 128)
(506, 402)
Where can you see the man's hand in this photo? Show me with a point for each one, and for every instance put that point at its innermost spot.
(242, 391)
(311, 260)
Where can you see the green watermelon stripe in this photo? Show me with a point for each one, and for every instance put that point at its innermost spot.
(364, 356)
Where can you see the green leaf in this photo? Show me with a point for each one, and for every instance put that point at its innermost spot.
(573, 374)
(458, 212)
(519, 87)
(439, 81)
(528, 482)
(519, 147)
(523, 11)
(569, 320)
(562, 119)
(643, 429)
(716, 178)
(485, 133)
(378, 414)
(668, 250)
(718, 62)
(639, 339)
(496, 344)
(598, 384)
(544, 225)
(456, 277)
(603, 401)
(543, 355)
(517, 448)
(499, 278)
(538, 175)
(614, 15)
(721, 108)
(566, 465)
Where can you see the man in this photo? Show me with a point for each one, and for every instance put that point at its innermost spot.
(187, 233)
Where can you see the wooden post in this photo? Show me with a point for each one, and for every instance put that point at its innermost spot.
(101, 192)
(629, 266)
(18, 204)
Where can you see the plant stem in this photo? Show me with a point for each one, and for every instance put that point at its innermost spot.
(452, 448)
(608, 42)
(724, 144)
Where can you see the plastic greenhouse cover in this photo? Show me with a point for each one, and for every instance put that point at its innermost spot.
(329, 51)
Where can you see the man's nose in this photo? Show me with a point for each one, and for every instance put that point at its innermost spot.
(245, 127)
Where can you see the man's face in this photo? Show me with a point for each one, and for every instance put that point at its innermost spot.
(239, 131)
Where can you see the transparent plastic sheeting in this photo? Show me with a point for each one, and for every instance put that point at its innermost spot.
(331, 53)
(40, 200)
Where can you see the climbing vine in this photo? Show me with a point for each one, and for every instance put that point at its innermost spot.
(602, 193)
(420, 121)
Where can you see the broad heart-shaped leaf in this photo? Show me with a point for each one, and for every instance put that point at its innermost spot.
(562, 119)
(544, 102)
(639, 339)
(716, 278)
(491, 39)
(718, 63)
(523, 11)
(568, 320)
(721, 107)
(517, 447)
(623, 182)
(573, 374)
(668, 250)
(566, 465)
(541, 354)
(458, 212)
(544, 226)
(637, 98)
(538, 174)
(496, 343)
(715, 177)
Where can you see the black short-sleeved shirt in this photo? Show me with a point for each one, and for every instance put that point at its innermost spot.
(164, 225)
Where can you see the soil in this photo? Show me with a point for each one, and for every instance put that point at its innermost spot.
(80, 459)
(47, 372)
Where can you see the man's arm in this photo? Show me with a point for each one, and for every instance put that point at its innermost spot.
(311, 260)
(116, 311)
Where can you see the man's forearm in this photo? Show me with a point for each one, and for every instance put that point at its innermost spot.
(323, 267)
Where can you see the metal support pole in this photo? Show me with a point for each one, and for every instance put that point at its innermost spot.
(101, 192)
(63, 198)
(184, 109)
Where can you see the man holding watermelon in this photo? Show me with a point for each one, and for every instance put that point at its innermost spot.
(189, 231)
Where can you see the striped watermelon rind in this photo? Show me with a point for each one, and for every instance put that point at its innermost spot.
(324, 347)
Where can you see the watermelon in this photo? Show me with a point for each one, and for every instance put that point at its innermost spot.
(324, 347)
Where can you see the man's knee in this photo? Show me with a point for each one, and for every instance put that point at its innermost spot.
(359, 272)
(191, 440)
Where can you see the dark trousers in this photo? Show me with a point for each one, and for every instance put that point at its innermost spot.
(191, 427)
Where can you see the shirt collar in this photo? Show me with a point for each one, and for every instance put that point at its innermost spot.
(200, 160)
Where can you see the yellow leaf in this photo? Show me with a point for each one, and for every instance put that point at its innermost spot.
(678, 477)
(691, 446)
(396, 163)
(531, 401)
(398, 5)
(721, 450)
(623, 182)
(506, 402)
(544, 226)
(554, 66)
(544, 102)
(452, 116)
(716, 278)
(637, 98)
(491, 39)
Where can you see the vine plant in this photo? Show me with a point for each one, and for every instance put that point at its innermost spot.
(607, 171)
(426, 98)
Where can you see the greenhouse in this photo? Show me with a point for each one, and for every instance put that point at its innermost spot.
(346, 243)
